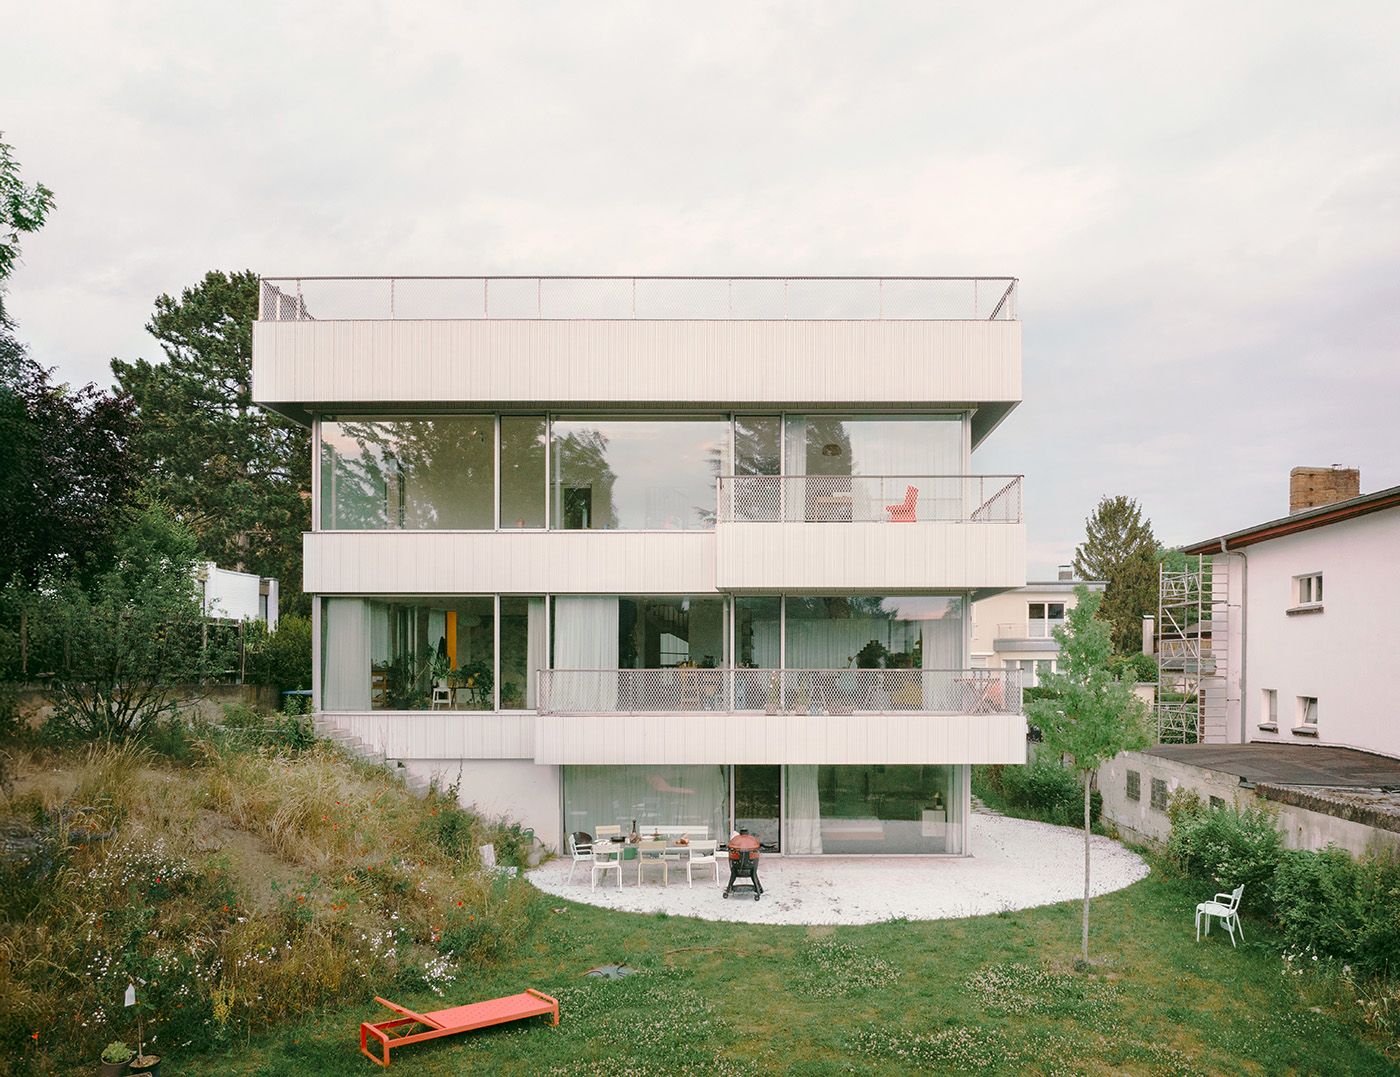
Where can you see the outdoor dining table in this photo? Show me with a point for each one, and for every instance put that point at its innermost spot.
(628, 850)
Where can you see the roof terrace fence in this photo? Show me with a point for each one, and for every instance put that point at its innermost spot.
(646, 298)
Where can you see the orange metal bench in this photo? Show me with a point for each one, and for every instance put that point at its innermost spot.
(494, 1011)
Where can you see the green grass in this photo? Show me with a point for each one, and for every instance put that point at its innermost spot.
(996, 994)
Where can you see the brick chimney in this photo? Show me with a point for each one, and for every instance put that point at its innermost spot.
(1309, 487)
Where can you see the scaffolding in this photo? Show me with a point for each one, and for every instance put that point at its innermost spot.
(1193, 633)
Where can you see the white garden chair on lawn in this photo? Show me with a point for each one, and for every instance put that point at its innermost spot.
(1225, 908)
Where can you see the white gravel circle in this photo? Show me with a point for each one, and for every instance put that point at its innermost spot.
(1015, 864)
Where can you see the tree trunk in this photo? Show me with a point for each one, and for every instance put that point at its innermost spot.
(1088, 774)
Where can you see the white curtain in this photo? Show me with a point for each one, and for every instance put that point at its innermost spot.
(804, 811)
(585, 637)
(669, 795)
(942, 650)
(346, 685)
(536, 649)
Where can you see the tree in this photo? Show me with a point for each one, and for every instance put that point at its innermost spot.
(22, 209)
(134, 639)
(1120, 549)
(1086, 715)
(239, 476)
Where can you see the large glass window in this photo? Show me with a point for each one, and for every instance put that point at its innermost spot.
(875, 809)
(523, 651)
(865, 631)
(523, 449)
(636, 474)
(644, 797)
(412, 654)
(436, 474)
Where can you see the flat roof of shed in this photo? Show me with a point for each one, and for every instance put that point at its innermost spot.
(1289, 764)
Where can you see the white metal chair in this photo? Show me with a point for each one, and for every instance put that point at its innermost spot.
(702, 853)
(442, 696)
(650, 854)
(608, 831)
(582, 854)
(606, 858)
(488, 862)
(1225, 908)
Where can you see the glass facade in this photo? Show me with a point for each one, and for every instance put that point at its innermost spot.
(626, 473)
(434, 474)
(885, 809)
(645, 797)
(636, 474)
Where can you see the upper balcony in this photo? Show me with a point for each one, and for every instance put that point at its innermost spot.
(406, 344)
(883, 533)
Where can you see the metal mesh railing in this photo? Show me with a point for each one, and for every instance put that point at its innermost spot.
(780, 691)
(652, 298)
(870, 498)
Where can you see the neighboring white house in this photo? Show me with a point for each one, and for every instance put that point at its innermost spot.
(1015, 629)
(237, 596)
(1313, 599)
(660, 550)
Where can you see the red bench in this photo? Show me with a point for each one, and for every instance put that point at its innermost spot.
(494, 1011)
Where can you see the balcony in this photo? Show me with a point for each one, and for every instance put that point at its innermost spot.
(1019, 636)
(323, 345)
(646, 716)
(881, 533)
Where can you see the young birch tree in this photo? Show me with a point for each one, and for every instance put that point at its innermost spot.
(1085, 713)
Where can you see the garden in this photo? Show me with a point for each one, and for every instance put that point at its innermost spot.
(257, 889)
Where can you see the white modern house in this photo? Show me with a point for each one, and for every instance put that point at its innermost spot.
(1015, 629)
(675, 551)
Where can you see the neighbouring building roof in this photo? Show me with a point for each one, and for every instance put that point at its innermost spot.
(1300, 521)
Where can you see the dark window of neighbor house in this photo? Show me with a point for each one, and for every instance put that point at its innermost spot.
(1159, 794)
(1134, 785)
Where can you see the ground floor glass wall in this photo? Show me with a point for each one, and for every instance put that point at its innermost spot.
(646, 797)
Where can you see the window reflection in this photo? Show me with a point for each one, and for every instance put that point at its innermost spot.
(637, 474)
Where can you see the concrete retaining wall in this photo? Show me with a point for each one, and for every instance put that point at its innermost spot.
(35, 706)
(1303, 827)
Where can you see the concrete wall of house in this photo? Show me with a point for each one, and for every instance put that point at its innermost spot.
(781, 738)
(515, 789)
(470, 735)
(869, 556)
(1302, 828)
(1340, 654)
(605, 362)
(520, 562)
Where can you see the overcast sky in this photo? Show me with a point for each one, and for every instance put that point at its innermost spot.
(1202, 200)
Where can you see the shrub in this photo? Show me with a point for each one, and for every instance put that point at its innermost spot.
(1341, 908)
(1042, 789)
(1225, 846)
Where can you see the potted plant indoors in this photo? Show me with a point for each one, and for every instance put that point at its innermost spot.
(115, 1056)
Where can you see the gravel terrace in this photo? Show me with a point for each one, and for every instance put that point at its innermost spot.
(1016, 864)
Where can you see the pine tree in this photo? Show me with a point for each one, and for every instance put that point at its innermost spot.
(1119, 547)
(237, 475)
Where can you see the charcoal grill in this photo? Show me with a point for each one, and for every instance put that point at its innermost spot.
(743, 865)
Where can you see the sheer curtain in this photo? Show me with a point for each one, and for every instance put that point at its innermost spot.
(347, 661)
(942, 650)
(669, 795)
(585, 637)
(536, 650)
(804, 819)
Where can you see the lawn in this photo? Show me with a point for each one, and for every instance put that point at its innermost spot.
(996, 994)
(264, 893)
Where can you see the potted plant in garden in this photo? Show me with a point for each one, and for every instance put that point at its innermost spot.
(115, 1056)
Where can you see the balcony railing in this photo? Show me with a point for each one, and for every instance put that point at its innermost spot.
(779, 691)
(652, 298)
(1031, 630)
(992, 499)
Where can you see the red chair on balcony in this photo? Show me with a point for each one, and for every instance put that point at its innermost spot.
(904, 513)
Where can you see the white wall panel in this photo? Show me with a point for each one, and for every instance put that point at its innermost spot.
(869, 556)
(520, 562)
(656, 739)
(680, 362)
(442, 734)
